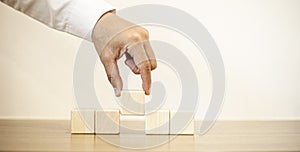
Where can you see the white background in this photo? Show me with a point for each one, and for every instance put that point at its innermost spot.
(259, 42)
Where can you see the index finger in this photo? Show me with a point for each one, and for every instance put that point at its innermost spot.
(150, 53)
(145, 70)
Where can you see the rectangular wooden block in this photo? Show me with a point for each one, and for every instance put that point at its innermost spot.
(132, 102)
(82, 121)
(132, 124)
(107, 121)
(181, 123)
(157, 122)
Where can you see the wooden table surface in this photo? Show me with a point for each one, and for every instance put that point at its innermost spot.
(54, 135)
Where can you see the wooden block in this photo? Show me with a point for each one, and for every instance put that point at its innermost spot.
(107, 122)
(132, 124)
(82, 121)
(182, 123)
(157, 122)
(132, 102)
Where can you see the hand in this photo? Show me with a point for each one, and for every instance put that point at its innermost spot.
(113, 37)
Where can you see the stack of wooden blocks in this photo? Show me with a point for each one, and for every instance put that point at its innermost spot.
(91, 121)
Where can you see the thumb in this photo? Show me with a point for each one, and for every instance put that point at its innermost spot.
(113, 75)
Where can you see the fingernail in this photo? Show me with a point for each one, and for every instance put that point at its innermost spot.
(117, 92)
(147, 92)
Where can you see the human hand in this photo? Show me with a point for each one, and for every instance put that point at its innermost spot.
(113, 37)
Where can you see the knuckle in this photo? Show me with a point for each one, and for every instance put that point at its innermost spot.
(135, 71)
(110, 78)
(139, 34)
(145, 65)
(153, 64)
(105, 57)
(136, 37)
(145, 33)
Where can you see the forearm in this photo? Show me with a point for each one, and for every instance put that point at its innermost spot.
(77, 17)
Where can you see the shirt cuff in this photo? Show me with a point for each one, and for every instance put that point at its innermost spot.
(84, 15)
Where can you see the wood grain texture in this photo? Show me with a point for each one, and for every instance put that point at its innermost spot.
(238, 136)
(82, 121)
(181, 123)
(157, 122)
(107, 121)
(132, 102)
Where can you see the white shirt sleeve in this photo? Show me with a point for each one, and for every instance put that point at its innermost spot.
(77, 17)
